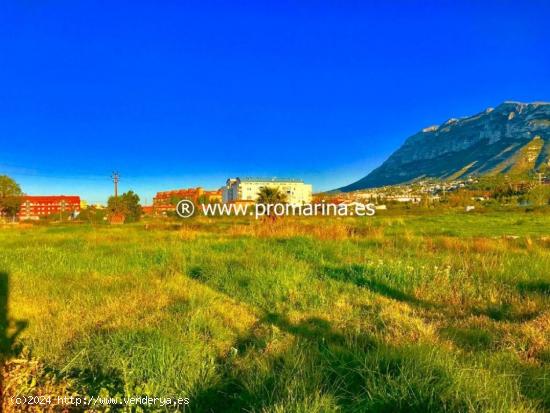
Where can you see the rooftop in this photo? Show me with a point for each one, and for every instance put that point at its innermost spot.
(264, 179)
(51, 197)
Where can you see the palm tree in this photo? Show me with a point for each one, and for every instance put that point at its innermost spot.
(271, 195)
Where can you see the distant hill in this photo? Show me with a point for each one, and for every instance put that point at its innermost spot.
(513, 138)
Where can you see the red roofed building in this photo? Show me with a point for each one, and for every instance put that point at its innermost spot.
(147, 209)
(166, 201)
(34, 207)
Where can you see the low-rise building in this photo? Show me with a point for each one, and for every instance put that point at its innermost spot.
(166, 201)
(247, 189)
(213, 196)
(147, 209)
(34, 207)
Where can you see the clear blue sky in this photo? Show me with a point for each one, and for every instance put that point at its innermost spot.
(178, 93)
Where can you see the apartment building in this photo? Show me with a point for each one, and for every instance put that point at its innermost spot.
(247, 189)
(34, 207)
(166, 201)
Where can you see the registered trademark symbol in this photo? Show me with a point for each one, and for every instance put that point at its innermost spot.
(185, 208)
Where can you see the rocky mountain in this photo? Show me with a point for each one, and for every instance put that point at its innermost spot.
(513, 138)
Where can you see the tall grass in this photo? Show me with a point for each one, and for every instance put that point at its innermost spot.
(438, 313)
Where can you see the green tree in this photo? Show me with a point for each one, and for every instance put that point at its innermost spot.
(271, 195)
(126, 204)
(92, 215)
(205, 199)
(174, 200)
(10, 196)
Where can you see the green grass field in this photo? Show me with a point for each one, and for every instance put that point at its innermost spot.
(413, 313)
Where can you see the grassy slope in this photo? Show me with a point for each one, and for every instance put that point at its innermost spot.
(523, 161)
(412, 313)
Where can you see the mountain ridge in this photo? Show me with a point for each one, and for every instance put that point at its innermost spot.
(513, 137)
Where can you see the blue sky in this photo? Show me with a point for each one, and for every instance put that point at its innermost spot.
(181, 93)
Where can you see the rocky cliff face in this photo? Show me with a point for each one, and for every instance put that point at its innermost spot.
(513, 138)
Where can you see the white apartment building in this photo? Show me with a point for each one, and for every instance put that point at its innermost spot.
(246, 189)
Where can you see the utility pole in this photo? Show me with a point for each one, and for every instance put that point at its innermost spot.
(116, 177)
(540, 178)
